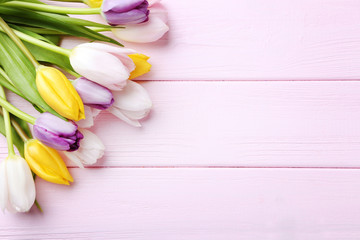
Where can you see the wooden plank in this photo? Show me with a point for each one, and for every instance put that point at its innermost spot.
(136, 204)
(257, 40)
(276, 124)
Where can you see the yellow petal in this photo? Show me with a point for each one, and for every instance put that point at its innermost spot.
(94, 3)
(141, 65)
(59, 93)
(46, 162)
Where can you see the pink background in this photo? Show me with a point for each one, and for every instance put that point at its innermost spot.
(255, 133)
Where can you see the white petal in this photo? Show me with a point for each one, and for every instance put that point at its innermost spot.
(133, 97)
(117, 112)
(152, 2)
(21, 185)
(3, 186)
(72, 157)
(159, 11)
(91, 149)
(90, 115)
(101, 67)
(149, 31)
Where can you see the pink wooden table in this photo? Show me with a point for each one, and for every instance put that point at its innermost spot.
(255, 134)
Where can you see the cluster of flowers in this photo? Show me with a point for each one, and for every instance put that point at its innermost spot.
(102, 80)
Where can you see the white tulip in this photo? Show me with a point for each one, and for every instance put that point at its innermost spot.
(149, 31)
(17, 187)
(104, 64)
(131, 104)
(91, 149)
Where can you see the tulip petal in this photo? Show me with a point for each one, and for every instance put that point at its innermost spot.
(20, 184)
(133, 97)
(142, 66)
(122, 116)
(90, 151)
(105, 69)
(149, 31)
(121, 6)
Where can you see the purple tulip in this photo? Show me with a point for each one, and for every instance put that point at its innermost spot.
(93, 94)
(57, 133)
(125, 11)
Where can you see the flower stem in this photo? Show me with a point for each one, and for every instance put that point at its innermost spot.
(17, 128)
(8, 134)
(40, 43)
(53, 9)
(17, 112)
(18, 42)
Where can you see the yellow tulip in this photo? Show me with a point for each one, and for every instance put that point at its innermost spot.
(93, 3)
(59, 93)
(141, 65)
(46, 162)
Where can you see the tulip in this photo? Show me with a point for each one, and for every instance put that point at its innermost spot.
(57, 133)
(141, 65)
(104, 64)
(58, 92)
(93, 3)
(125, 12)
(46, 162)
(149, 31)
(93, 94)
(17, 187)
(131, 104)
(90, 151)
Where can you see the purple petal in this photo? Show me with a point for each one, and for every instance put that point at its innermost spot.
(121, 6)
(56, 125)
(50, 139)
(93, 94)
(131, 17)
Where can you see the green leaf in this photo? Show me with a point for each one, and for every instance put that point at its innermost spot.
(21, 72)
(51, 21)
(44, 55)
(55, 39)
(18, 142)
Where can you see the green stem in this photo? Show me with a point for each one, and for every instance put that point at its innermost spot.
(53, 9)
(17, 112)
(99, 29)
(40, 43)
(18, 42)
(17, 128)
(8, 134)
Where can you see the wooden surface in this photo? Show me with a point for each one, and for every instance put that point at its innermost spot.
(223, 156)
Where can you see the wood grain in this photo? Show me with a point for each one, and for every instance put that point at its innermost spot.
(276, 124)
(257, 40)
(247, 204)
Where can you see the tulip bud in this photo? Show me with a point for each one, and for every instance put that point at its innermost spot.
(58, 92)
(93, 3)
(125, 12)
(57, 133)
(46, 162)
(149, 31)
(106, 65)
(131, 104)
(90, 151)
(93, 94)
(141, 65)
(17, 187)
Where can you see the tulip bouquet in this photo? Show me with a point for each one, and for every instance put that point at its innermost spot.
(68, 87)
